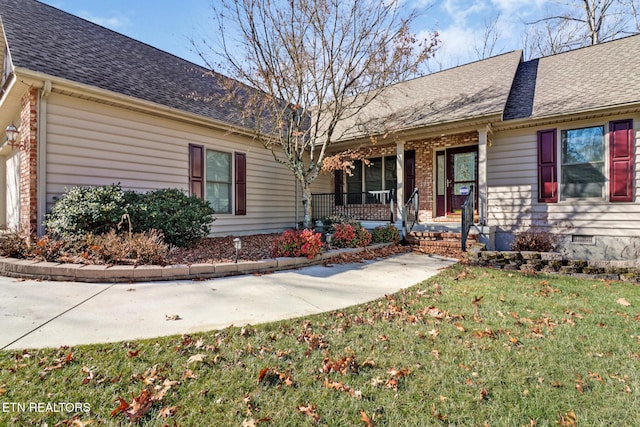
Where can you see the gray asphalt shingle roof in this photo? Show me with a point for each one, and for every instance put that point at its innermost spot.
(475, 90)
(47, 40)
(595, 77)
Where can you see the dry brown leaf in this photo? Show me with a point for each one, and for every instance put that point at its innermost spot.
(623, 302)
(366, 419)
(568, 420)
(172, 317)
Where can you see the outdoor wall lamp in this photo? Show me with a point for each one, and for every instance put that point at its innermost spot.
(237, 243)
(12, 135)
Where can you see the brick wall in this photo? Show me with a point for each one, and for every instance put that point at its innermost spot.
(29, 162)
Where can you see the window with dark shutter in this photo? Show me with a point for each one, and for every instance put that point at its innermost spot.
(196, 170)
(409, 173)
(241, 183)
(547, 167)
(621, 161)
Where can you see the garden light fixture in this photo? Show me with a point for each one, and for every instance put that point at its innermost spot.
(237, 243)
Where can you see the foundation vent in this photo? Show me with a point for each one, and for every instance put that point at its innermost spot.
(580, 239)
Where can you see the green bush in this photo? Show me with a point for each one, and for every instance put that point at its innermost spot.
(385, 234)
(83, 210)
(183, 220)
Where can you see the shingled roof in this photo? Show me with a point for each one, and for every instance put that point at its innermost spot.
(587, 79)
(44, 39)
(472, 91)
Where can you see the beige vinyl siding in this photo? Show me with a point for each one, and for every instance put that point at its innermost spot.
(512, 176)
(95, 144)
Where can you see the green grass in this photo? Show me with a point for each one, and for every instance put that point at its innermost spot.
(469, 347)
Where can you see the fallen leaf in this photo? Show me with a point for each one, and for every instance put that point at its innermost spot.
(568, 420)
(172, 317)
(310, 410)
(167, 411)
(124, 405)
(623, 302)
(195, 358)
(365, 419)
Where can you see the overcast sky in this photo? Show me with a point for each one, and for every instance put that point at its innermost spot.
(171, 24)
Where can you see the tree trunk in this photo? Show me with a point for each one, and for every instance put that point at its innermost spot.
(306, 205)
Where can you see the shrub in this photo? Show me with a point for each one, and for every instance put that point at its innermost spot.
(13, 244)
(137, 248)
(350, 236)
(183, 220)
(295, 243)
(331, 221)
(534, 240)
(385, 234)
(83, 210)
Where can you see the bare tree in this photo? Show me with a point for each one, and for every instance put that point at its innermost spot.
(309, 66)
(485, 46)
(578, 23)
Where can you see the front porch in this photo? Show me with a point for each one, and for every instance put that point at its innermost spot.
(423, 185)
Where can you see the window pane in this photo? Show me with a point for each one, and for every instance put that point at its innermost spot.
(390, 179)
(219, 196)
(218, 172)
(441, 178)
(373, 175)
(585, 180)
(582, 145)
(218, 166)
(583, 163)
(464, 166)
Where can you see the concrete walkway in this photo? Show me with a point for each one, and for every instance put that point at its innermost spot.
(36, 314)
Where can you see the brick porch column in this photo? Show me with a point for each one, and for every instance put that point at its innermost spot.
(29, 162)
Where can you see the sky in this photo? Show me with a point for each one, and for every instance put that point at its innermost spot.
(170, 25)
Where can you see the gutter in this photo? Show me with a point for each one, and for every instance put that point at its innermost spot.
(41, 182)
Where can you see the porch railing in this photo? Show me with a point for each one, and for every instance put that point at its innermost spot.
(365, 206)
(467, 216)
(410, 212)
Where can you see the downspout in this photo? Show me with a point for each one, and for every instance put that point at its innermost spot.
(42, 156)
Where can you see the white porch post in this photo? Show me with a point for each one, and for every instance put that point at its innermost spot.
(483, 135)
(400, 179)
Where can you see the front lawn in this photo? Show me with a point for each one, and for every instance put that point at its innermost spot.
(469, 347)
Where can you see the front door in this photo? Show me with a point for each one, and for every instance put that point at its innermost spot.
(456, 173)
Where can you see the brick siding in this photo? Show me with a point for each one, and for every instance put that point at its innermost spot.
(29, 162)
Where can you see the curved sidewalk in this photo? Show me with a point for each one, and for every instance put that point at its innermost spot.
(36, 314)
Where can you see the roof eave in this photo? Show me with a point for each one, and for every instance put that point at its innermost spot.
(37, 79)
(542, 120)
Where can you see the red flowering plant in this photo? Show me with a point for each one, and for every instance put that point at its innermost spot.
(349, 236)
(295, 243)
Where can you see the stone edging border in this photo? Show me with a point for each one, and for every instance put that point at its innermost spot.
(555, 263)
(43, 270)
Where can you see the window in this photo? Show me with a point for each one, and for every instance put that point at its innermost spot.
(581, 167)
(582, 163)
(378, 175)
(218, 182)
